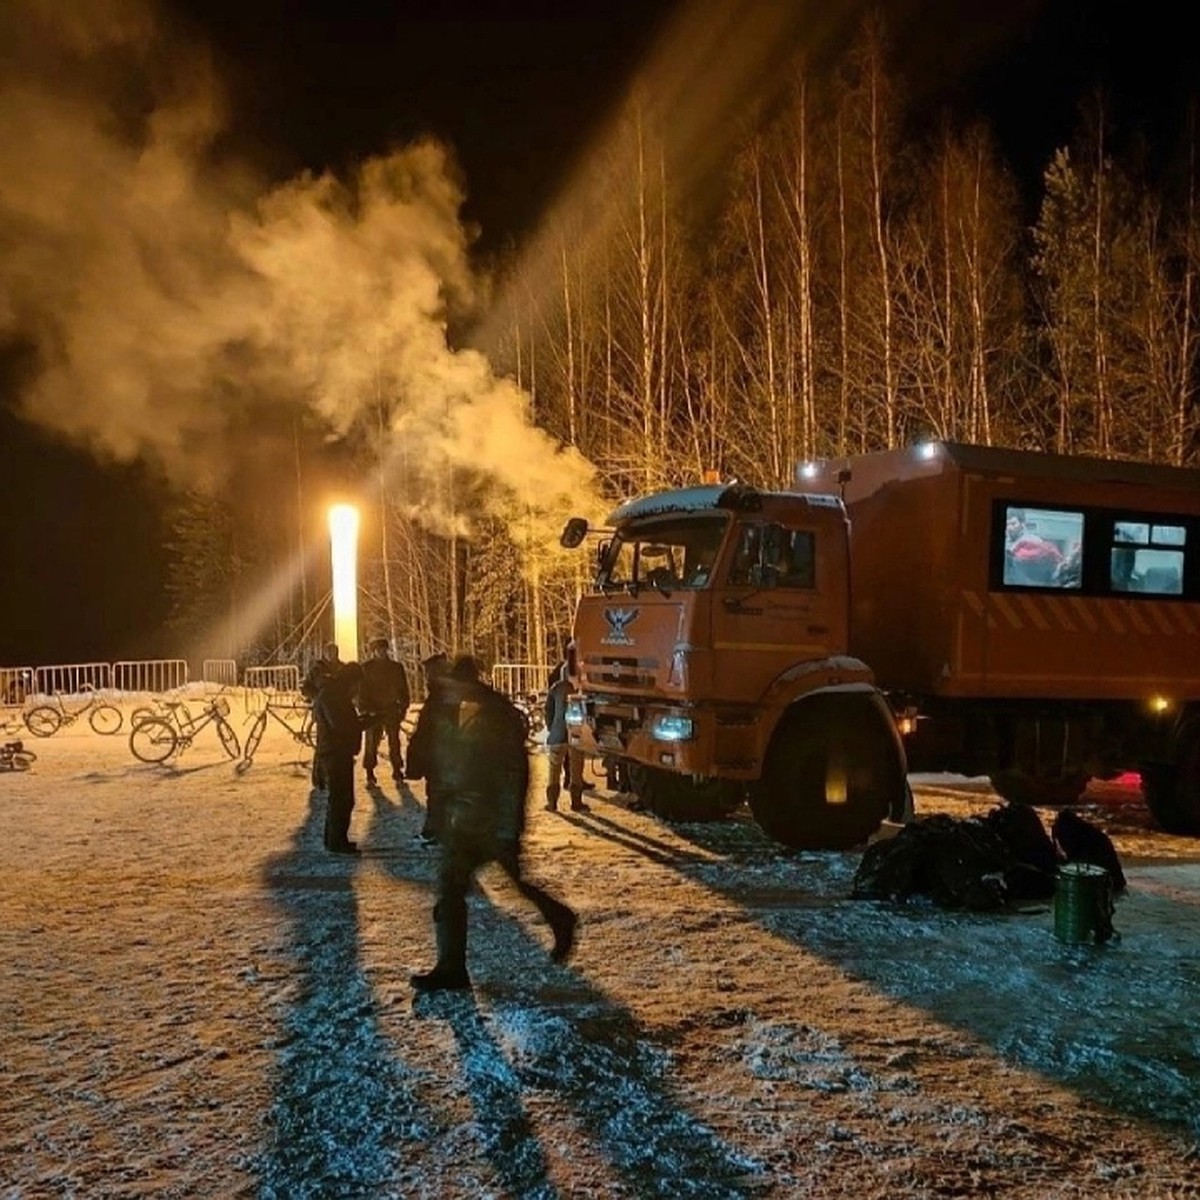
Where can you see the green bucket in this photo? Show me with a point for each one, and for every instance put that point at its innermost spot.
(1083, 904)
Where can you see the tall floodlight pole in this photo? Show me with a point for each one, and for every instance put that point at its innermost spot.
(343, 543)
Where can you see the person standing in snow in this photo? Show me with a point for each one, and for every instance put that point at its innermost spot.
(419, 757)
(558, 746)
(339, 739)
(476, 751)
(384, 698)
(318, 675)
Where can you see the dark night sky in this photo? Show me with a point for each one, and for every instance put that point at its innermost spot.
(516, 88)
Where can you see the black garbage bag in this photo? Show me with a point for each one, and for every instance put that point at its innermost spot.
(981, 864)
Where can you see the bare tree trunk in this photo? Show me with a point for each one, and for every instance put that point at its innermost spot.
(1184, 383)
(1099, 339)
(890, 399)
(384, 522)
(843, 299)
(572, 397)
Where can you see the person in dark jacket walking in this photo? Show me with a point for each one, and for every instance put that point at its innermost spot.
(318, 675)
(339, 739)
(477, 754)
(384, 699)
(558, 746)
(419, 756)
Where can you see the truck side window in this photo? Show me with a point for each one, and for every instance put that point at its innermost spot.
(797, 562)
(746, 555)
(1147, 557)
(795, 554)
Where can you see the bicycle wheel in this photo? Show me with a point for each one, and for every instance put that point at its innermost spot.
(229, 739)
(43, 721)
(256, 734)
(106, 719)
(153, 740)
(140, 714)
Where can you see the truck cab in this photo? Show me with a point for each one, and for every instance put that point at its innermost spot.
(711, 656)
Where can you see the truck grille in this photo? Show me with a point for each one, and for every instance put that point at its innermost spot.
(620, 672)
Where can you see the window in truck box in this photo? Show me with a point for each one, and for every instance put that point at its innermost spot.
(664, 554)
(1097, 551)
(1043, 547)
(1147, 557)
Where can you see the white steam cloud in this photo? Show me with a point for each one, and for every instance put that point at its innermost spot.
(167, 294)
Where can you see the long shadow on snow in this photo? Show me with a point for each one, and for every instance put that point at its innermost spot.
(551, 1032)
(343, 1104)
(1076, 1014)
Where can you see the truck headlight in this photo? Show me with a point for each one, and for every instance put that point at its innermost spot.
(672, 727)
(575, 714)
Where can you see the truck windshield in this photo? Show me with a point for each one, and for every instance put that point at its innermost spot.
(679, 552)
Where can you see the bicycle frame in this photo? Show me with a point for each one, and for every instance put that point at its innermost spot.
(45, 720)
(304, 734)
(157, 738)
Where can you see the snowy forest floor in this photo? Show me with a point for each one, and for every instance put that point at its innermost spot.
(198, 1001)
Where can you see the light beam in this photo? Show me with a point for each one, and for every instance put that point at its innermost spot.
(343, 542)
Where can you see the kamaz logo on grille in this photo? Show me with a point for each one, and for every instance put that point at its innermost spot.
(619, 620)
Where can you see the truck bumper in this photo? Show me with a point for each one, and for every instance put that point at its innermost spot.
(631, 731)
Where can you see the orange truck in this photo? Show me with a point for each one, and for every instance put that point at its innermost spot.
(1030, 617)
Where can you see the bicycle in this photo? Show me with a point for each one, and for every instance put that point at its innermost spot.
(14, 757)
(155, 739)
(295, 716)
(160, 707)
(45, 720)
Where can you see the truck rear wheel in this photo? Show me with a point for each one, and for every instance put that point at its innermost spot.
(677, 798)
(1172, 790)
(834, 770)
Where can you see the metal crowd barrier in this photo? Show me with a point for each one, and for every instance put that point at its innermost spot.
(520, 679)
(284, 678)
(69, 679)
(220, 672)
(150, 675)
(16, 684)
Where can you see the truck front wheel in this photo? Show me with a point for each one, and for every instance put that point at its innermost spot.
(833, 771)
(677, 798)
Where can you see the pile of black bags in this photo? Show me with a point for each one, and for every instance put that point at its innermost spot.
(982, 863)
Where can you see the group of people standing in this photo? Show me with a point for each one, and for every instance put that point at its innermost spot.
(351, 700)
(469, 745)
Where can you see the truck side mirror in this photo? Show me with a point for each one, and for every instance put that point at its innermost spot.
(574, 531)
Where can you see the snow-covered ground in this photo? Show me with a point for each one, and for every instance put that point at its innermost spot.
(198, 1001)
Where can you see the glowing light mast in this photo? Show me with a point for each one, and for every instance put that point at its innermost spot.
(343, 542)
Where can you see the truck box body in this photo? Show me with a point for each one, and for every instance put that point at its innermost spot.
(941, 607)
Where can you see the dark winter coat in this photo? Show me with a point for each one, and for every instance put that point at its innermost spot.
(556, 712)
(384, 688)
(339, 727)
(469, 746)
(319, 674)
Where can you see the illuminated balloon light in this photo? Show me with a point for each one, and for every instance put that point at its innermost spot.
(343, 542)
